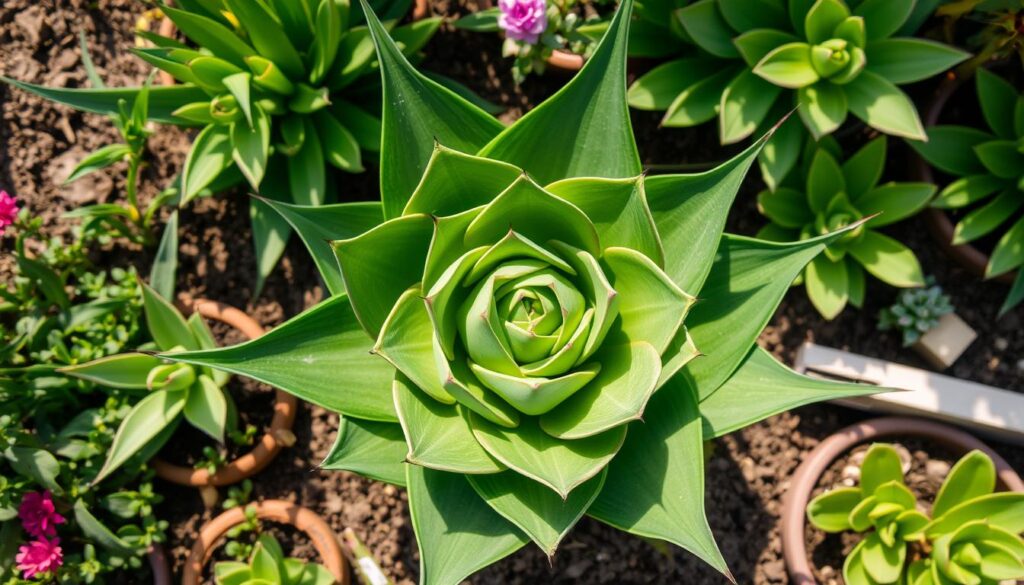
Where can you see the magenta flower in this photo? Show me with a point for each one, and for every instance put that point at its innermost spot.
(40, 556)
(8, 210)
(523, 20)
(38, 516)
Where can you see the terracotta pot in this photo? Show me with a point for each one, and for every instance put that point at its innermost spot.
(158, 565)
(939, 223)
(279, 434)
(806, 478)
(324, 540)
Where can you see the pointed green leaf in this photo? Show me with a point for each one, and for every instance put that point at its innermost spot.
(210, 155)
(745, 15)
(690, 212)
(823, 108)
(619, 394)
(973, 476)
(705, 25)
(659, 87)
(827, 286)
(95, 531)
(98, 160)
(788, 66)
(270, 233)
(418, 112)
(785, 207)
(38, 464)
(591, 108)
(439, 435)
(746, 284)
(824, 180)
(206, 408)
(318, 226)
(983, 220)
(1003, 510)
(559, 465)
(163, 273)
(753, 393)
(303, 357)
(536, 510)
(251, 146)
(744, 105)
(863, 170)
(651, 306)
(127, 371)
(998, 100)
(454, 182)
(165, 323)
(144, 422)
(211, 35)
(700, 101)
(894, 201)
(372, 449)
(882, 18)
(655, 486)
(903, 61)
(951, 149)
(1001, 158)
(1009, 251)
(162, 100)
(451, 520)
(822, 19)
(406, 341)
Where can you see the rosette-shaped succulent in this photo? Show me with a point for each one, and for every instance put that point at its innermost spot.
(282, 89)
(513, 333)
(826, 195)
(987, 165)
(832, 58)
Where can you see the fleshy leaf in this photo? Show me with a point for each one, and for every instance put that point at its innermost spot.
(590, 109)
(560, 465)
(406, 340)
(418, 112)
(127, 370)
(318, 226)
(883, 106)
(370, 448)
(450, 520)
(542, 515)
(165, 323)
(973, 476)
(454, 182)
(831, 510)
(143, 423)
(655, 486)
(206, 408)
(438, 435)
(745, 286)
(651, 307)
(304, 358)
(762, 387)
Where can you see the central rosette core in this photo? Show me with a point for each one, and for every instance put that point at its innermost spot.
(528, 319)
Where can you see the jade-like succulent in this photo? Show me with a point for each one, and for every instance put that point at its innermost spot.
(826, 196)
(173, 390)
(971, 538)
(915, 312)
(988, 167)
(831, 58)
(268, 566)
(281, 90)
(514, 333)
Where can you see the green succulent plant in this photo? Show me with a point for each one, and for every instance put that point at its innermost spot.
(519, 299)
(280, 89)
(268, 566)
(173, 390)
(829, 57)
(825, 196)
(915, 312)
(971, 538)
(988, 166)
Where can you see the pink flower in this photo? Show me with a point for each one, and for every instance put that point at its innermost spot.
(38, 516)
(8, 210)
(523, 20)
(40, 556)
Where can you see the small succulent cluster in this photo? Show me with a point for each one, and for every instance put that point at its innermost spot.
(972, 536)
(915, 312)
(173, 390)
(831, 58)
(825, 196)
(267, 565)
(988, 168)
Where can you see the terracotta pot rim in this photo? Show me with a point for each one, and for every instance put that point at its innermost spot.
(938, 221)
(266, 448)
(805, 479)
(158, 565)
(320, 534)
(566, 61)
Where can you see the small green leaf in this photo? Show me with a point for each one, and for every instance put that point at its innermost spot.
(94, 530)
(983, 220)
(823, 108)
(210, 155)
(339, 146)
(100, 159)
(831, 510)
(163, 273)
(165, 323)
(267, 36)
(882, 18)
(754, 44)
(307, 180)
(144, 422)
(127, 371)
(659, 87)
(1009, 251)
(883, 106)
(881, 465)
(824, 180)
(785, 207)
(903, 61)
(823, 18)
(967, 190)
(998, 100)
(1001, 158)
(1002, 510)
(894, 201)
(863, 170)
(827, 285)
(480, 21)
(973, 476)
(211, 35)
(206, 408)
(709, 30)
(744, 104)
(887, 260)
(251, 146)
(38, 464)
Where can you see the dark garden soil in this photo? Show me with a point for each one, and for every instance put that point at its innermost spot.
(747, 472)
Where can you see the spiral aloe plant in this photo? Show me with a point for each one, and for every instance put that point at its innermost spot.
(282, 89)
(519, 342)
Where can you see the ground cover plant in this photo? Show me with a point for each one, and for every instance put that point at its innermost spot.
(280, 91)
(972, 535)
(988, 185)
(503, 333)
(826, 195)
(829, 57)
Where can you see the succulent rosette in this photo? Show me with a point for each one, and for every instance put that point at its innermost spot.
(513, 333)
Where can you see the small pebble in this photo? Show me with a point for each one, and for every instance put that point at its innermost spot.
(937, 470)
(1020, 365)
(1001, 343)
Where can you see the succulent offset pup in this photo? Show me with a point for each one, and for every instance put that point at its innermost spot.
(537, 330)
